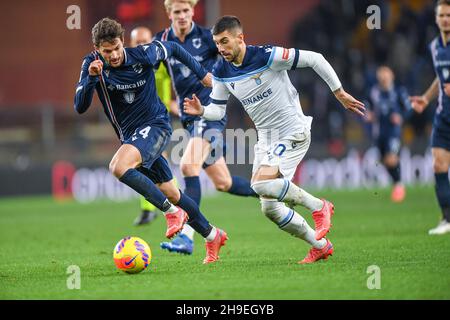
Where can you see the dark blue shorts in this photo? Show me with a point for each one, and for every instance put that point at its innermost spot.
(440, 138)
(151, 142)
(212, 131)
(389, 144)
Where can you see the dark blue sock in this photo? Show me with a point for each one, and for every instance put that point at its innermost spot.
(442, 188)
(241, 187)
(196, 219)
(193, 188)
(144, 186)
(394, 172)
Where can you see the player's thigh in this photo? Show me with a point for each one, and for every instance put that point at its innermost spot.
(441, 160)
(219, 174)
(193, 157)
(126, 157)
(279, 159)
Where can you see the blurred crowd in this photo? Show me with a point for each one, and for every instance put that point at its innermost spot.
(338, 29)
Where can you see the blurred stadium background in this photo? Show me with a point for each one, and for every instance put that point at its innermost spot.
(45, 147)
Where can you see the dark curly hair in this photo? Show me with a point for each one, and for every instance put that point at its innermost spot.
(107, 30)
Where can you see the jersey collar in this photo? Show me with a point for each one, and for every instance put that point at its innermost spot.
(188, 34)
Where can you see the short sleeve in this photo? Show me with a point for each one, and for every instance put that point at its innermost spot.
(283, 59)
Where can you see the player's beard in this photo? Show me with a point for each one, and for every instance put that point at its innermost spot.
(235, 55)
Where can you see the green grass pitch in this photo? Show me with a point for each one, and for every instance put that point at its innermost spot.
(41, 238)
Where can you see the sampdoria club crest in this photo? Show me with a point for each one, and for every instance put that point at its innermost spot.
(137, 68)
(197, 43)
(129, 96)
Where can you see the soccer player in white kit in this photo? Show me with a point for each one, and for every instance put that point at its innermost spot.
(257, 76)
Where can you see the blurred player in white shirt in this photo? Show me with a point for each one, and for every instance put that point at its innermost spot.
(257, 76)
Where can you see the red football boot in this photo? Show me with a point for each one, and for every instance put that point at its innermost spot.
(175, 222)
(317, 254)
(213, 247)
(322, 219)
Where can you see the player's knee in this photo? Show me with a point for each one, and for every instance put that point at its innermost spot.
(115, 168)
(223, 185)
(391, 160)
(265, 188)
(439, 165)
(190, 170)
(272, 209)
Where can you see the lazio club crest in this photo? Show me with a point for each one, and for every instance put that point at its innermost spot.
(129, 96)
(197, 43)
(257, 78)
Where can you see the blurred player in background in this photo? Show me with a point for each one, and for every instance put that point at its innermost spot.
(140, 36)
(257, 76)
(388, 106)
(206, 146)
(125, 84)
(440, 137)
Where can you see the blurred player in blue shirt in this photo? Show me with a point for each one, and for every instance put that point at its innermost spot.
(125, 83)
(206, 148)
(387, 107)
(440, 137)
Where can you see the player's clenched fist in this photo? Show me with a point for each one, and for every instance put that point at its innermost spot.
(95, 68)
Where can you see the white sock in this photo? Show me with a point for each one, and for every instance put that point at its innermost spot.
(212, 235)
(299, 228)
(172, 209)
(290, 221)
(285, 191)
(188, 231)
(309, 201)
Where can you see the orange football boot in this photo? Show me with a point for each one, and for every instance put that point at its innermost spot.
(317, 254)
(322, 219)
(213, 247)
(175, 222)
(398, 193)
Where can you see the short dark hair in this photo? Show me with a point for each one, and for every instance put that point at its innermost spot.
(442, 2)
(226, 23)
(107, 30)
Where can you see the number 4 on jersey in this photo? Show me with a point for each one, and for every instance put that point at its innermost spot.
(144, 133)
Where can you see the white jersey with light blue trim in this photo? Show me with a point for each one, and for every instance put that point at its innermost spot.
(263, 86)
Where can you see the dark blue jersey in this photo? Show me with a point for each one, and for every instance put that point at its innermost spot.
(199, 43)
(384, 103)
(128, 92)
(441, 62)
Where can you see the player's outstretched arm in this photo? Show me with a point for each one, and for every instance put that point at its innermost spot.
(212, 112)
(349, 102)
(419, 103)
(322, 67)
(178, 52)
(86, 85)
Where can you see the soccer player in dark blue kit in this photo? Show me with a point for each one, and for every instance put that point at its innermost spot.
(388, 106)
(440, 137)
(125, 84)
(206, 148)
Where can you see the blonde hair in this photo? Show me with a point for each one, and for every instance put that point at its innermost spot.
(168, 3)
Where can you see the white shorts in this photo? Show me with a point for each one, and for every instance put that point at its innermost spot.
(285, 154)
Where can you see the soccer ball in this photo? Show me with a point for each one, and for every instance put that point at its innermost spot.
(132, 255)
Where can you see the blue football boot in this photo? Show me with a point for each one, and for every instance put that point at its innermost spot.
(181, 244)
